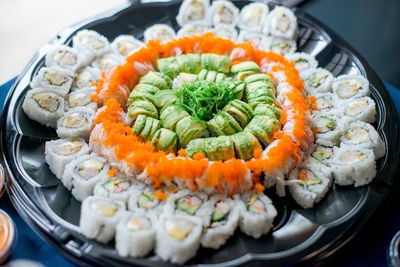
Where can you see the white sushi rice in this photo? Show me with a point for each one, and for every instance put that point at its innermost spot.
(75, 178)
(224, 31)
(253, 17)
(77, 122)
(85, 77)
(124, 45)
(328, 135)
(162, 32)
(118, 193)
(216, 236)
(305, 64)
(154, 206)
(358, 134)
(193, 11)
(280, 45)
(320, 81)
(363, 109)
(307, 195)
(54, 79)
(107, 62)
(66, 57)
(99, 222)
(44, 106)
(282, 23)
(91, 41)
(223, 12)
(81, 98)
(325, 103)
(346, 87)
(353, 166)
(253, 224)
(58, 153)
(193, 29)
(172, 249)
(255, 38)
(131, 241)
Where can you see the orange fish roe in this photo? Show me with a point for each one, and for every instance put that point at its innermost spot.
(161, 195)
(112, 172)
(303, 175)
(231, 176)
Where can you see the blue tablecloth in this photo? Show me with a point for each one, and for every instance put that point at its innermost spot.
(368, 249)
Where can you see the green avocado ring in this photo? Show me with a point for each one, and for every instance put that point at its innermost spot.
(200, 103)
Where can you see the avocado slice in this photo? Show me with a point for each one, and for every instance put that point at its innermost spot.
(196, 146)
(267, 110)
(219, 63)
(190, 128)
(245, 66)
(142, 107)
(263, 127)
(258, 77)
(157, 79)
(139, 124)
(164, 140)
(171, 115)
(164, 98)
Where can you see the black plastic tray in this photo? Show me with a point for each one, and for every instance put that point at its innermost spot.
(299, 235)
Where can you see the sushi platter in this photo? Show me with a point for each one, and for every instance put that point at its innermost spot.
(201, 133)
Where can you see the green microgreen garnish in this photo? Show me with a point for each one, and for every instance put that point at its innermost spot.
(202, 99)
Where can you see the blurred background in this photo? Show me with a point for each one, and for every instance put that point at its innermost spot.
(370, 26)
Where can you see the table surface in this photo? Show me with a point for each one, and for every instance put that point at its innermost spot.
(370, 246)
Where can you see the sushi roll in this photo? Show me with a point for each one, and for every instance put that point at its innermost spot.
(351, 165)
(282, 23)
(240, 111)
(66, 57)
(214, 148)
(54, 79)
(325, 103)
(224, 31)
(267, 110)
(190, 203)
(362, 108)
(192, 29)
(146, 127)
(135, 234)
(43, 106)
(223, 12)
(305, 64)
(77, 122)
(114, 187)
(107, 62)
(253, 17)
(320, 81)
(124, 45)
(309, 183)
(142, 107)
(349, 86)
(245, 145)
(263, 127)
(85, 77)
(145, 199)
(83, 173)
(91, 41)
(178, 237)
(164, 98)
(193, 11)
(321, 154)
(256, 214)
(190, 128)
(161, 32)
(99, 217)
(223, 223)
(58, 153)
(171, 115)
(81, 98)
(280, 45)
(358, 134)
(165, 140)
(327, 129)
(184, 78)
(255, 38)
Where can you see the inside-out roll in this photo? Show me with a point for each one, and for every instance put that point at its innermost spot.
(280, 45)
(352, 165)
(107, 61)
(54, 79)
(349, 86)
(81, 98)
(114, 187)
(178, 237)
(193, 11)
(124, 45)
(320, 81)
(224, 31)
(282, 23)
(328, 129)
(144, 199)
(85, 77)
(77, 122)
(253, 16)
(135, 234)
(67, 57)
(359, 134)
(306, 64)
(224, 12)
(99, 217)
(255, 38)
(162, 32)
(309, 183)
(58, 153)
(192, 29)
(223, 222)
(256, 214)
(325, 103)
(362, 108)
(43, 106)
(91, 41)
(83, 173)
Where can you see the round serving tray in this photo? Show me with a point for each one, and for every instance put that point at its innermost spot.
(299, 235)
